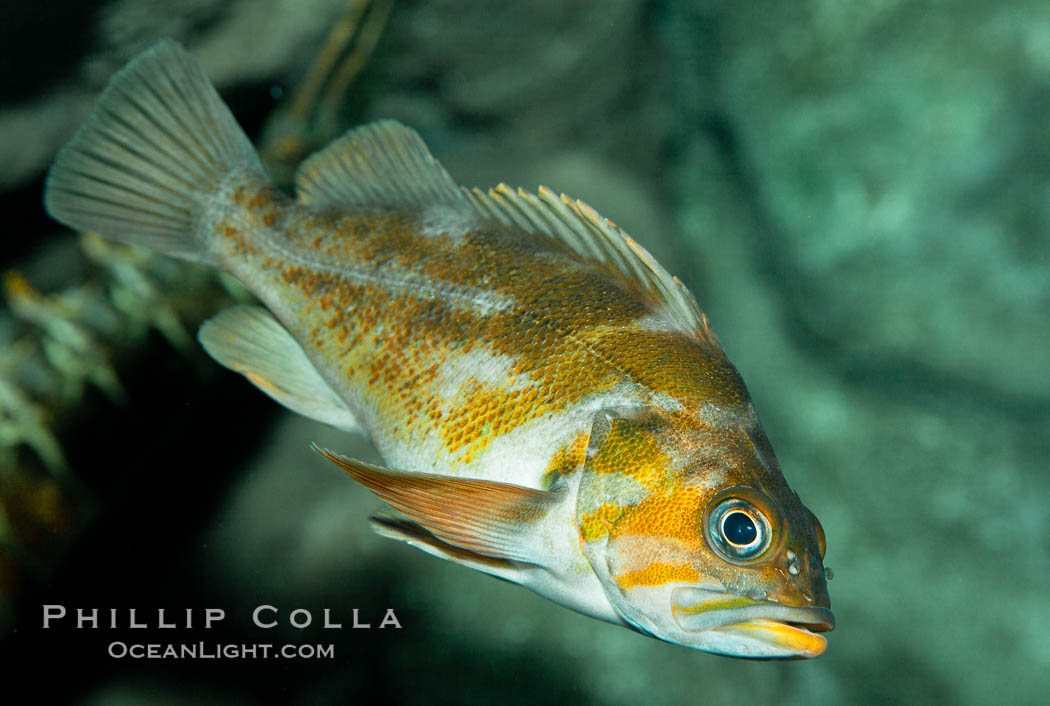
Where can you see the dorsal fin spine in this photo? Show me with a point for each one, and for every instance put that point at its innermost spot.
(579, 227)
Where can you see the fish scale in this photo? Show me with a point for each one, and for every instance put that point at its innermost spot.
(553, 407)
(325, 301)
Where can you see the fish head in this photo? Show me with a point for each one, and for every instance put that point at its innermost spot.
(697, 539)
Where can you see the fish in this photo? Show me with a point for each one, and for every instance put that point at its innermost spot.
(551, 405)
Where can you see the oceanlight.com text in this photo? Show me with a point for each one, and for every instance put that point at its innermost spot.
(213, 650)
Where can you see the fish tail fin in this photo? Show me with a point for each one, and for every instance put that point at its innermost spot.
(143, 167)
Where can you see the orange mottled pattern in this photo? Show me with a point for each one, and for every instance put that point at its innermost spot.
(261, 203)
(642, 491)
(566, 460)
(632, 451)
(674, 514)
(391, 308)
(657, 574)
(669, 510)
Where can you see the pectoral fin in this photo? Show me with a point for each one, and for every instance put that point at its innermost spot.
(491, 521)
(251, 341)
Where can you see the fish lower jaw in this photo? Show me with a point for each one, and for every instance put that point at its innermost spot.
(745, 627)
(770, 639)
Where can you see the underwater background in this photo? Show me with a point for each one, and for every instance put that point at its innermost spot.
(858, 193)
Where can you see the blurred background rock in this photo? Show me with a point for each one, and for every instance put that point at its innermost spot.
(859, 195)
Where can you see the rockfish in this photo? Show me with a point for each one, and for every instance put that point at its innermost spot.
(553, 407)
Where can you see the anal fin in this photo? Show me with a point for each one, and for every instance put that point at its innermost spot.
(249, 340)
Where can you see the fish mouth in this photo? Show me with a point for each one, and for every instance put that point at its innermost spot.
(771, 639)
(744, 627)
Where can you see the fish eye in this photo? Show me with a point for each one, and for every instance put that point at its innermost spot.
(738, 531)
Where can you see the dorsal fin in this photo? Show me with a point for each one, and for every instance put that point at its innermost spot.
(380, 164)
(577, 225)
(385, 164)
